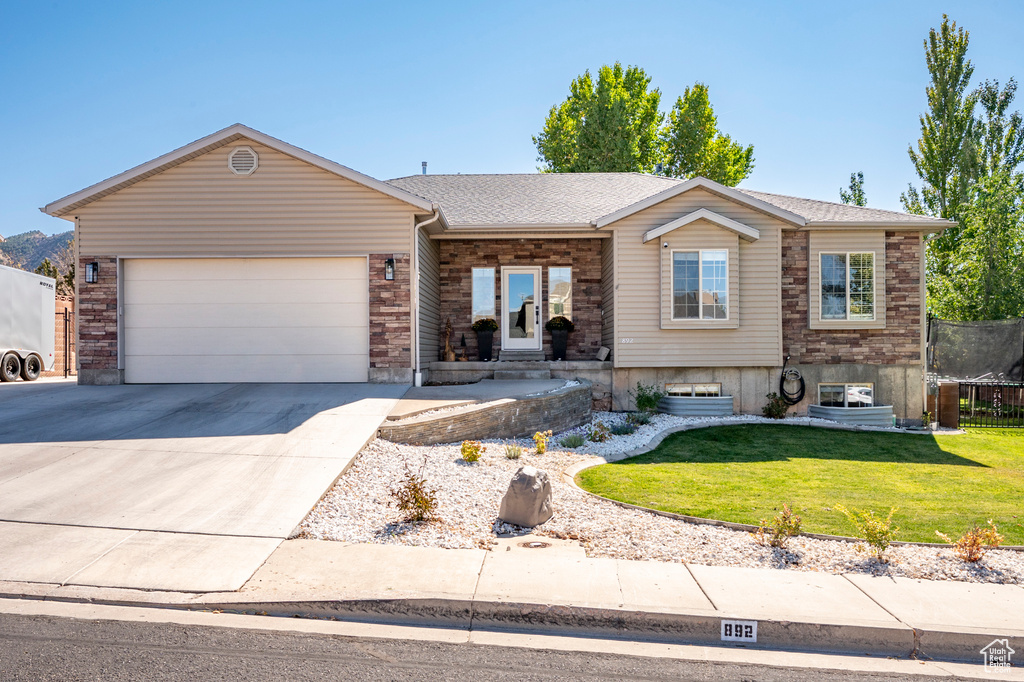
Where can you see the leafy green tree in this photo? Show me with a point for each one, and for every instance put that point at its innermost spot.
(985, 280)
(608, 126)
(695, 146)
(614, 125)
(946, 154)
(855, 194)
(1001, 136)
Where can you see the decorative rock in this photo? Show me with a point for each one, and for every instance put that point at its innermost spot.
(528, 500)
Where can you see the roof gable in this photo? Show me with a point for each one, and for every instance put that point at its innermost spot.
(65, 205)
(745, 232)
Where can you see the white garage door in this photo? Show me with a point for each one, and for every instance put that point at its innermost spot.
(246, 320)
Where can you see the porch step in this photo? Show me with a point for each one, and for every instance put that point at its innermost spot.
(521, 374)
(521, 355)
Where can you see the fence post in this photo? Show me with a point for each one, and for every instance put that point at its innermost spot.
(949, 404)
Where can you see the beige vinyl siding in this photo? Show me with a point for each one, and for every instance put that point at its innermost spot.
(641, 342)
(430, 298)
(608, 293)
(845, 241)
(285, 208)
(700, 236)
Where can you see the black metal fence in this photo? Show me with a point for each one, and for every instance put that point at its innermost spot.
(984, 404)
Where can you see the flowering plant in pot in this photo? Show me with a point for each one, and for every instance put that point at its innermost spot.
(559, 327)
(485, 328)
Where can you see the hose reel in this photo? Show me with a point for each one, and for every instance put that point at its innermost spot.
(790, 376)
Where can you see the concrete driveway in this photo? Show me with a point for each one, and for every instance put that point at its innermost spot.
(177, 487)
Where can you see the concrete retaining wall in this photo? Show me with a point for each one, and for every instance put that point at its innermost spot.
(511, 418)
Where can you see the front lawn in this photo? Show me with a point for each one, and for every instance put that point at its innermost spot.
(744, 473)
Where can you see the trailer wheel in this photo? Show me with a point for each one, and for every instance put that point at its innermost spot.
(10, 367)
(31, 368)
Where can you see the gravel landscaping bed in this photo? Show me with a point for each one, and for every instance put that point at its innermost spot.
(359, 508)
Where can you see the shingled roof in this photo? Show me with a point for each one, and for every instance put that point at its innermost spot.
(576, 199)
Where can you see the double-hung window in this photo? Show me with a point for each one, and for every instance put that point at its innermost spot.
(700, 285)
(848, 286)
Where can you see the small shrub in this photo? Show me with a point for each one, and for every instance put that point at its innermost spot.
(646, 397)
(513, 451)
(972, 545)
(926, 418)
(638, 418)
(572, 441)
(623, 429)
(560, 322)
(472, 449)
(876, 531)
(778, 531)
(413, 496)
(540, 441)
(598, 433)
(775, 408)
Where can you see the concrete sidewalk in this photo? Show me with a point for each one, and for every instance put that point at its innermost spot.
(558, 589)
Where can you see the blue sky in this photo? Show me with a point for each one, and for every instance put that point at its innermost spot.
(820, 89)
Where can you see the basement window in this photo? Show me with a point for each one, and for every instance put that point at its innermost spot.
(694, 390)
(846, 395)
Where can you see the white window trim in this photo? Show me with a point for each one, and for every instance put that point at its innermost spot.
(846, 390)
(874, 286)
(700, 287)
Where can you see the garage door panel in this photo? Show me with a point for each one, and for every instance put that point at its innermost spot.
(307, 341)
(251, 269)
(230, 320)
(262, 368)
(244, 315)
(165, 292)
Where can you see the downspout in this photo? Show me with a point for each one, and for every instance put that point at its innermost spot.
(415, 295)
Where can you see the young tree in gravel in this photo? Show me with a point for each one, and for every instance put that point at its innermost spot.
(946, 154)
(695, 146)
(855, 194)
(608, 126)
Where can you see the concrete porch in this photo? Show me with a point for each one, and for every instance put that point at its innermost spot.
(598, 373)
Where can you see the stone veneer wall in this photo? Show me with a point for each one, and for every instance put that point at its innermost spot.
(558, 411)
(97, 323)
(898, 343)
(459, 257)
(390, 320)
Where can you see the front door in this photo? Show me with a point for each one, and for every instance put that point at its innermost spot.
(520, 309)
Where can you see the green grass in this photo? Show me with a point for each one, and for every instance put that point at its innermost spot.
(745, 473)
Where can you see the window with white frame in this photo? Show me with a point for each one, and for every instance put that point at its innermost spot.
(700, 285)
(846, 395)
(848, 286)
(483, 294)
(560, 292)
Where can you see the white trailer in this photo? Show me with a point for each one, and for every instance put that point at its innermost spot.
(27, 307)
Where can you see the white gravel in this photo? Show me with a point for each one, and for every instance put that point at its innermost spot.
(359, 508)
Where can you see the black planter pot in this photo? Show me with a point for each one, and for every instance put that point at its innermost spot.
(485, 344)
(559, 342)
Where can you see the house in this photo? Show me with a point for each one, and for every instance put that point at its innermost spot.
(240, 257)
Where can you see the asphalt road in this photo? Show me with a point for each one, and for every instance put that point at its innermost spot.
(48, 648)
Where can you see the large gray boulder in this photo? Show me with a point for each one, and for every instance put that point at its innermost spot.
(528, 500)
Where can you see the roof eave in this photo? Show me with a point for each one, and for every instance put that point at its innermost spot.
(63, 206)
(926, 226)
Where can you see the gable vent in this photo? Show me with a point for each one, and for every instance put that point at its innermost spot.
(243, 161)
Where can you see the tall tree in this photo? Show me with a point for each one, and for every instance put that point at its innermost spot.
(1001, 136)
(695, 146)
(608, 126)
(855, 194)
(946, 154)
(986, 277)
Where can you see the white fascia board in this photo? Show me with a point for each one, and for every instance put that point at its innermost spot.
(930, 226)
(745, 232)
(59, 207)
(709, 185)
(583, 227)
